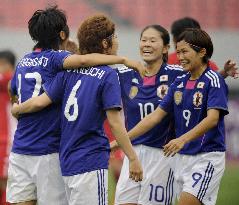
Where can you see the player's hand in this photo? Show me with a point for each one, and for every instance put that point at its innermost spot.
(136, 65)
(230, 69)
(15, 110)
(173, 147)
(114, 146)
(135, 170)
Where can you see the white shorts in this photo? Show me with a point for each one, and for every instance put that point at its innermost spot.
(157, 186)
(35, 178)
(200, 175)
(88, 188)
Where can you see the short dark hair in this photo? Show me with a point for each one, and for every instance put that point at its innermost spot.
(197, 40)
(92, 31)
(45, 26)
(180, 25)
(164, 35)
(9, 56)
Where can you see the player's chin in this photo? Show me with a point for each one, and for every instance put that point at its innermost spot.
(186, 67)
(148, 59)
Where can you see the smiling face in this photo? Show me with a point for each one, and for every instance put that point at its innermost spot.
(151, 46)
(188, 57)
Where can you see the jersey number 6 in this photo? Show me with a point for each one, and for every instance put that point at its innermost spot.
(72, 101)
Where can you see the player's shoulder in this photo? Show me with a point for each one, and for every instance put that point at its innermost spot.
(174, 67)
(214, 78)
(123, 69)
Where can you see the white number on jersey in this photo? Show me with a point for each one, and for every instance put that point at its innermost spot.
(72, 101)
(37, 87)
(187, 115)
(144, 109)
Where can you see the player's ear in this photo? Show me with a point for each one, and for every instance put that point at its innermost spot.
(166, 48)
(202, 52)
(105, 44)
(62, 35)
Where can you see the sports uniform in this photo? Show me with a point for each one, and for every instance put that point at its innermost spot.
(141, 97)
(85, 94)
(201, 162)
(34, 154)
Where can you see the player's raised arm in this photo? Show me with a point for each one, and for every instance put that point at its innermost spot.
(119, 131)
(230, 69)
(93, 59)
(31, 105)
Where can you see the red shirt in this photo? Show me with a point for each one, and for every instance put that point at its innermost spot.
(7, 123)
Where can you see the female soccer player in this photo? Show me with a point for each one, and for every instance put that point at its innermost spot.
(198, 102)
(34, 173)
(86, 97)
(141, 97)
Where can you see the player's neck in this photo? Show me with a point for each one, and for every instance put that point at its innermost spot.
(197, 72)
(153, 67)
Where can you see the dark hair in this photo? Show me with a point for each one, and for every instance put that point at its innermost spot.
(197, 40)
(164, 35)
(92, 31)
(180, 25)
(9, 56)
(45, 26)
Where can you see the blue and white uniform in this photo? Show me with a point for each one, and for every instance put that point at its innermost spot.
(37, 137)
(85, 95)
(200, 164)
(140, 97)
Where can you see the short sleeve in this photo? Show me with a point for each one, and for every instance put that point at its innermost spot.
(218, 95)
(111, 94)
(124, 73)
(59, 58)
(168, 101)
(54, 88)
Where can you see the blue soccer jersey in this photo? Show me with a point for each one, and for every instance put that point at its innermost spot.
(37, 133)
(85, 94)
(142, 96)
(189, 104)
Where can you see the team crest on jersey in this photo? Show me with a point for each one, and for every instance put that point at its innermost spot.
(200, 85)
(162, 90)
(163, 78)
(133, 92)
(197, 99)
(178, 95)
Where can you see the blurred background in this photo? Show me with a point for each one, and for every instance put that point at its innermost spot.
(220, 18)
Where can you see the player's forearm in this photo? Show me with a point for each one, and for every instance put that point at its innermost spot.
(120, 133)
(147, 123)
(204, 126)
(122, 139)
(93, 59)
(29, 106)
(34, 104)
